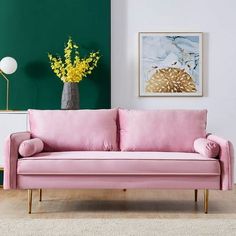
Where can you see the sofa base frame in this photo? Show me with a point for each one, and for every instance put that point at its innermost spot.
(206, 199)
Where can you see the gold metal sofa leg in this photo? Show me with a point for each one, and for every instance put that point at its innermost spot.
(29, 200)
(40, 195)
(195, 195)
(206, 197)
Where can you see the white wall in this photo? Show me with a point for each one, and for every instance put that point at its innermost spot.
(216, 18)
(11, 122)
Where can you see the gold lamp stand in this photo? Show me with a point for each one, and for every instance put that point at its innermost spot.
(8, 65)
(7, 93)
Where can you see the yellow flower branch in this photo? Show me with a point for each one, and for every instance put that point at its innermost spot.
(73, 69)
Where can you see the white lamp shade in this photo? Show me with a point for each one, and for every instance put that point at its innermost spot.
(8, 65)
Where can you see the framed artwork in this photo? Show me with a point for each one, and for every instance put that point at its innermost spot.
(170, 64)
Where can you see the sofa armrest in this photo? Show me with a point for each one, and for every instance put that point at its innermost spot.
(226, 161)
(11, 147)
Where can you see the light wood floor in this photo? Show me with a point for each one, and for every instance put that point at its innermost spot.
(117, 204)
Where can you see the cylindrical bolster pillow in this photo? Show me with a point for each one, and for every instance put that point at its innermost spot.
(30, 147)
(206, 147)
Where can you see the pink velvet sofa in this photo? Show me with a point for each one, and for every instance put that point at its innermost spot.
(117, 149)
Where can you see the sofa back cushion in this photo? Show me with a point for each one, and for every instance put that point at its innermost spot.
(161, 130)
(75, 130)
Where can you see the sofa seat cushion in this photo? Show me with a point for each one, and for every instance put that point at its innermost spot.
(118, 163)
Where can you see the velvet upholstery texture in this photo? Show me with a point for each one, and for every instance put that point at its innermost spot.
(226, 161)
(206, 147)
(11, 156)
(161, 130)
(117, 170)
(31, 147)
(118, 163)
(117, 182)
(166, 157)
(75, 130)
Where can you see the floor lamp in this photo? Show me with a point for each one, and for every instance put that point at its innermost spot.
(8, 65)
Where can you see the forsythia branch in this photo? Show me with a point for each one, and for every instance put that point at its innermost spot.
(73, 69)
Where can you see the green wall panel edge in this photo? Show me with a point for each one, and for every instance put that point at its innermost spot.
(1, 177)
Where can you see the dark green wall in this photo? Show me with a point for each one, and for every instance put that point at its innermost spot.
(31, 28)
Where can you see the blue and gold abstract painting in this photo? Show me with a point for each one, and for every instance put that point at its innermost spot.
(170, 64)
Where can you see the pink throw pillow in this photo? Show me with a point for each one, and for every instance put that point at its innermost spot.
(161, 130)
(75, 130)
(206, 147)
(30, 147)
